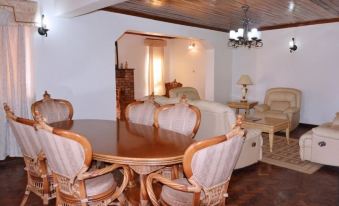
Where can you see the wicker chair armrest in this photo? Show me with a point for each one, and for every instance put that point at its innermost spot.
(98, 172)
(119, 191)
(158, 177)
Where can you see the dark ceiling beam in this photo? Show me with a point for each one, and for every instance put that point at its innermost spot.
(150, 35)
(149, 16)
(306, 23)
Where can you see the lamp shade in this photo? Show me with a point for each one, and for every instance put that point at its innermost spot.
(245, 80)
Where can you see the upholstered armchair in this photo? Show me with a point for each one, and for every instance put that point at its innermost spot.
(69, 156)
(321, 144)
(40, 180)
(53, 110)
(281, 103)
(190, 92)
(208, 166)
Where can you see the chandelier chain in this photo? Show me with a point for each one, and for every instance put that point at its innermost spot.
(245, 37)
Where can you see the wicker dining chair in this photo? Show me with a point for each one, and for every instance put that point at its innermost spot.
(141, 112)
(53, 110)
(39, 178)
(182, 118)
(208, 165)
(69, 155)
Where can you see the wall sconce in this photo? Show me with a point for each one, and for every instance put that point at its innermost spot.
(293, 46)
(42, 30)
(191, 46)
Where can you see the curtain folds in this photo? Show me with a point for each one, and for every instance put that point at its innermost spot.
(15, 76)
(156, 83)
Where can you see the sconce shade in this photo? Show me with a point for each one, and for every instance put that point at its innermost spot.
(245, 80)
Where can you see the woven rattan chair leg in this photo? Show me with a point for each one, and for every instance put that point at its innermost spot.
(25, 198)
(131, 182)
(122, 200)
(175, 172)
(45, 200)
(223, 202)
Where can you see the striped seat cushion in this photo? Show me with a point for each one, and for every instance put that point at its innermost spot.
(176, 197)
(100, 184)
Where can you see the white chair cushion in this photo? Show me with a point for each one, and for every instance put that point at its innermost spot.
(190, 92)
(176, 197)
(279, 105)
(100, 184)
(272, 114)
(281, 96)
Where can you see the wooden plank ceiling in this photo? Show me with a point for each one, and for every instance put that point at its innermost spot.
(223, 15)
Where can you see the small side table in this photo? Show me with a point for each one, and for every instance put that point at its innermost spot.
(241, 105)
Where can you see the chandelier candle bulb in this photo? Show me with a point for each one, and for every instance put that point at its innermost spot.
(250, 36)
(232, 34)
(244, 36)
(254, 33)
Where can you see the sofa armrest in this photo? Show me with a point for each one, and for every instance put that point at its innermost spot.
(291, 110)
(324, 131)
(261, 108)
(335, 121)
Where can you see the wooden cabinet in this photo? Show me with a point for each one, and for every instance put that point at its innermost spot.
(171, 85)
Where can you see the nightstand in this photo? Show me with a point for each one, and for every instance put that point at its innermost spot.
(242, 105)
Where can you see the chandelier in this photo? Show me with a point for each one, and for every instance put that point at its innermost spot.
(244, 36)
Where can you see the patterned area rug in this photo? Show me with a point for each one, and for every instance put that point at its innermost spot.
(287, 156)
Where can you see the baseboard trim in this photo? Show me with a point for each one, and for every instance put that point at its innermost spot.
(308, 125)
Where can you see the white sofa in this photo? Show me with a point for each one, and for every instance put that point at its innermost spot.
(321, 144)
(218, 119)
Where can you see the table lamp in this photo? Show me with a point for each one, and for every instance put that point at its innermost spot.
(244, 81)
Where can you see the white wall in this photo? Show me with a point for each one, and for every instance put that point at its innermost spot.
(189, 66)
(313, 68)
(77, 59)
(133, 50)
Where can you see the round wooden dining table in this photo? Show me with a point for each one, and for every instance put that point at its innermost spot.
(143, 148)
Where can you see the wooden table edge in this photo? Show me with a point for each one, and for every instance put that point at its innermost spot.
(139, 161)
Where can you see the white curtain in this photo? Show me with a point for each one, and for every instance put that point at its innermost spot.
(15, 76)
(156, 83)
